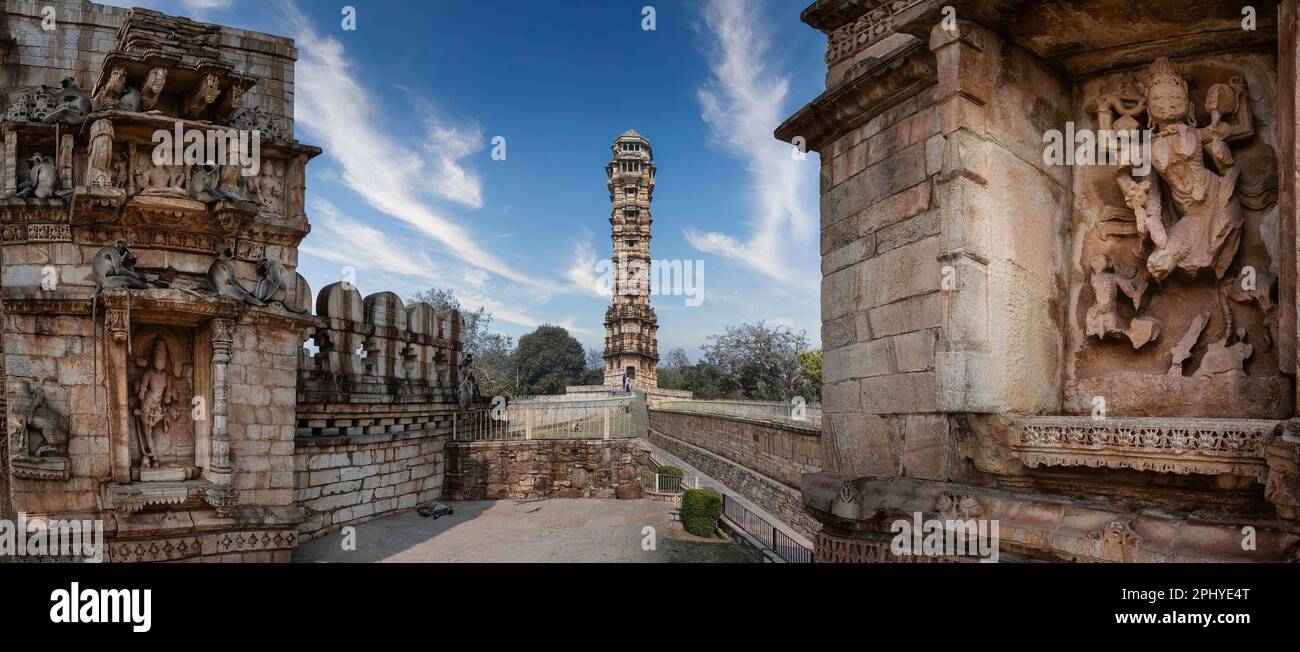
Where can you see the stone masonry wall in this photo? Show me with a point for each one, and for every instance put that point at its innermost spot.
(554, 468)
(778, 499)
(881, 306)
(349, 480)
(88, 31)
(779, 451)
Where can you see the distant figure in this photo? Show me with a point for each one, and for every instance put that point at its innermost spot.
(627, 383)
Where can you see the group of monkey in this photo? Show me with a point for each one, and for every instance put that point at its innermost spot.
(114, 267)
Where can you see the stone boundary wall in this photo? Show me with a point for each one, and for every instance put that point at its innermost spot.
(780, 451)
(375, 407)
(777, 499)
(348, 480)
(552, 468)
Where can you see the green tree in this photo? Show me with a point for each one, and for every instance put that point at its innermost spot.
(493, 352)
(549, 359)
(763, 363)
(811, 364)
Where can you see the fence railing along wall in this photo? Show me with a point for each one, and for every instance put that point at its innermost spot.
(801, 414)
(604, 418)
(769, 535)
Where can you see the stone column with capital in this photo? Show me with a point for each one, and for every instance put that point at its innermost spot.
(223, 331)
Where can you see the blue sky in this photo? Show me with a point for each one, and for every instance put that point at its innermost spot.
(407, 192)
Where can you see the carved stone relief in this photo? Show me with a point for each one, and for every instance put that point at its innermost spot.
(161, 388)
(1177, 264)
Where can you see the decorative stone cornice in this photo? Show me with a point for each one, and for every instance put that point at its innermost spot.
(1181, 446)
(869, 28)
(872, 87)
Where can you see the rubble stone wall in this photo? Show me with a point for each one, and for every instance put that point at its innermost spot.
(553, 468)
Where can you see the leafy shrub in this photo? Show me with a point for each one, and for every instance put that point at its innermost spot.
(673, 481)
(701, 509)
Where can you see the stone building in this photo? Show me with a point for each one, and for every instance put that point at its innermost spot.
(1098, 349)
(155, 376)
(631, 328)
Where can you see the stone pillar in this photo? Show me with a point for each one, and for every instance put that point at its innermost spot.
(65, 161)
(223, 331)
(117, 331)
(10, 164)
(963, 359)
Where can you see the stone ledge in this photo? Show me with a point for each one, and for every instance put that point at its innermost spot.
(1165, 445)
(1033, 526)
(870, 89)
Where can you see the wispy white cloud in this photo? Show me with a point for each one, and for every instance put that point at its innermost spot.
(346, 241)
(582, 273)
(391, 176)
(742, 103)
(205, 5)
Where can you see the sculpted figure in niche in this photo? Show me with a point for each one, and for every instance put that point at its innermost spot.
(269, 187)
(1205, 229)
(153, 87)
(99, 161)
(160, 180)
(156, 393)
(42, 430)
(1103, 319)
(72, 102)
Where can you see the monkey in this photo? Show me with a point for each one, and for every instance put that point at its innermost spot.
(114, 267)
(205, 184)
(271, 286)
(73, 103)
(131, 100)
(223, 281)
(42, 177)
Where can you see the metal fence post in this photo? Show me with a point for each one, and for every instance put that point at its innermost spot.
(605, 409)
(528, 423)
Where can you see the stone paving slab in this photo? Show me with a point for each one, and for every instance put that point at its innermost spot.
(560, 530)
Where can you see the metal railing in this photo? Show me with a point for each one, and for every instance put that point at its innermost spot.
(611, 418)
(809, 415)
(668, 483)
(779, 542)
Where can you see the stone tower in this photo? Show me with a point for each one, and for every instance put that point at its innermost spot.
(631, 329)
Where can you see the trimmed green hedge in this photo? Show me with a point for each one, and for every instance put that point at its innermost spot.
(670, 470)
(701, 509)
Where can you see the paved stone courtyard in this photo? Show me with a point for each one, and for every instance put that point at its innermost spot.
(553, 530)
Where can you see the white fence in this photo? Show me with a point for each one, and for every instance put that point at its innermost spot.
(606, 418)
(794, 412)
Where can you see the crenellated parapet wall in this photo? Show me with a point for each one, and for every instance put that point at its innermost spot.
(376, 403)
(379, 350)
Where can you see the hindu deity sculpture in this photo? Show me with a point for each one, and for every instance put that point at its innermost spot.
(1204, 230)
(157, 395)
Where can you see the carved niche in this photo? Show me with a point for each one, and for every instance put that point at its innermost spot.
(38, 429)
(160, 385)
(1174, 310)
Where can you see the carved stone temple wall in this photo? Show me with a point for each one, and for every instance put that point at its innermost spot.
(153, 323)
(1100, 356)
(631, 327)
